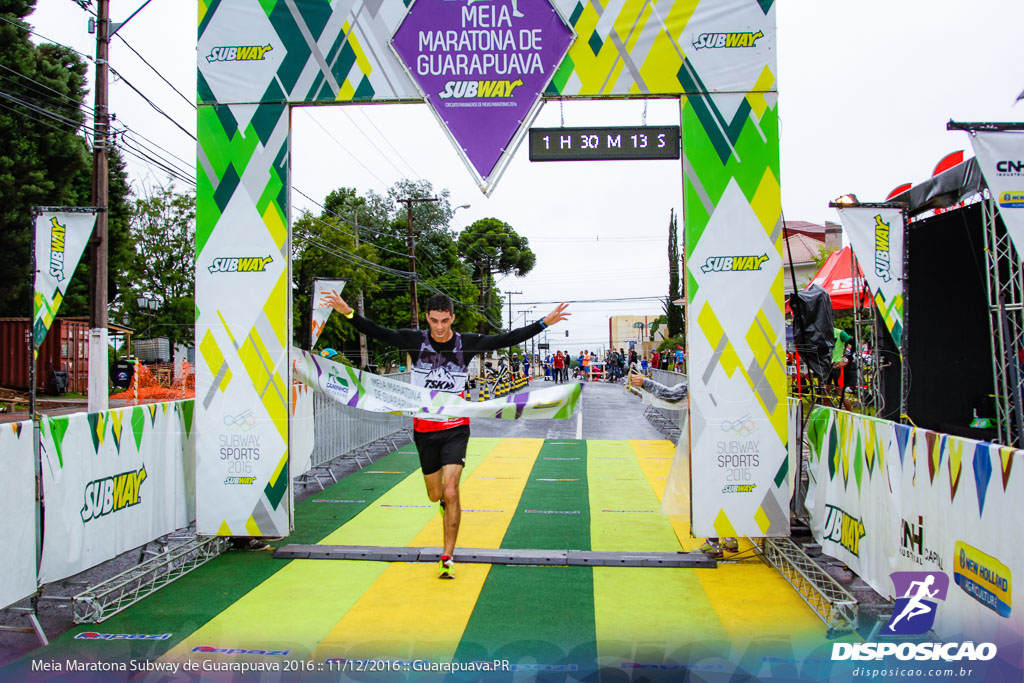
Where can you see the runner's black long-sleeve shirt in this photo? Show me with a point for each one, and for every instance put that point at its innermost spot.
(409, 340)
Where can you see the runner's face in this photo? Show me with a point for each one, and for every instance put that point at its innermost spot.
(440, 323)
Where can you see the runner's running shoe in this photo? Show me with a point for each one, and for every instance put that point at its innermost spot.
(730, 545)
(446, 568)
(711, 549)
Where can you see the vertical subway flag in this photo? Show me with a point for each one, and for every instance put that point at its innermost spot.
(321, 310)
(1001, 157)
(60, 241)
(876, 236)
(482, 68)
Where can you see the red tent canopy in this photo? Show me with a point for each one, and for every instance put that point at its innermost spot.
(836, 277)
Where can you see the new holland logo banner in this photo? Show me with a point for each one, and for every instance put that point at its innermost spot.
(1001, 157)
(321, 309)
(376, 394)
(876, 236)
(60, 241)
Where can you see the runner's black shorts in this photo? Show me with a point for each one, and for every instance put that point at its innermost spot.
(445, 447)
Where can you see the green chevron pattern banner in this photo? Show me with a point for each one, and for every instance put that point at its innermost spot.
(887, 497)
(737, 368)
(17, 513)
(257, 57)
(243, 301)
(279, 51)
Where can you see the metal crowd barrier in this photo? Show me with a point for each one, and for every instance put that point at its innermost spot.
(339, 430)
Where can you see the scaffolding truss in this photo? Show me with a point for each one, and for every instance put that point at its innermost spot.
(833, 604)
(104, 600)
(1005, 285)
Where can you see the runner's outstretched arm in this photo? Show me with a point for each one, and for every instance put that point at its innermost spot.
(404, 339)
(492, 342)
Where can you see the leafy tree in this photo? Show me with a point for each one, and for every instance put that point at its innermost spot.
(674, 313)
(325, 247)
(163, 230)
(45, 160)
(492, 246)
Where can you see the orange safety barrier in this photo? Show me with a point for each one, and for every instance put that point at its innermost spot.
(158, 385)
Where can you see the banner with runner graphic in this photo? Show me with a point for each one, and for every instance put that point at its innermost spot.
(114, 480)
(322, 310)
(17, 513)
(885, 497)
(1001, 158)
(378, 394)
(876, 236)
(60, 240)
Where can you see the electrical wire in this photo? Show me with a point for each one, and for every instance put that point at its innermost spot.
(156, 71)
(151, 103)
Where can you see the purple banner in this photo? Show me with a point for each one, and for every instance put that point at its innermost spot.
(482, 65)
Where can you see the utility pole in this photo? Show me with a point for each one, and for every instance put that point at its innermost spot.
(510, 325)
(98, 371)
(414, 311)
(363, 355)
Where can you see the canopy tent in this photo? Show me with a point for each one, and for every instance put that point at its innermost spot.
(836, 277)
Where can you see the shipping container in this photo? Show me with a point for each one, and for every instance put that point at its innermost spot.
(65, 349)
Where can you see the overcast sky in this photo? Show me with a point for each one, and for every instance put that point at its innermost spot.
(865, 90)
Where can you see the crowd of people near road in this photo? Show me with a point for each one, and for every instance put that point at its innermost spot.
(609, 365)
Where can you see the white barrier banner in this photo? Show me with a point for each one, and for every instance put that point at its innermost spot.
(876, 236)
(887, 498)
(17, 513)
(376, 394)
(60, 240)
(300, 428)
(321, 309)
(1001, 158)
(114, 480)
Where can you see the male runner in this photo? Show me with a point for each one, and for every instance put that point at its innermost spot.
(440, 360)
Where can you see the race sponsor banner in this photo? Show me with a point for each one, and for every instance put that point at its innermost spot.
(735, 325)
(876, 236)
(257, 57)
(885, 497)
(482, 68)
(321, 309)
(300, 449)
(252, 51)
(1001, 158)
(112, 481)
(375, 393)
(60, 240)
(243, 323)
(18, 516)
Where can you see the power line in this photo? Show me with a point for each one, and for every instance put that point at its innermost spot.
(152, 103)
(156, 71)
